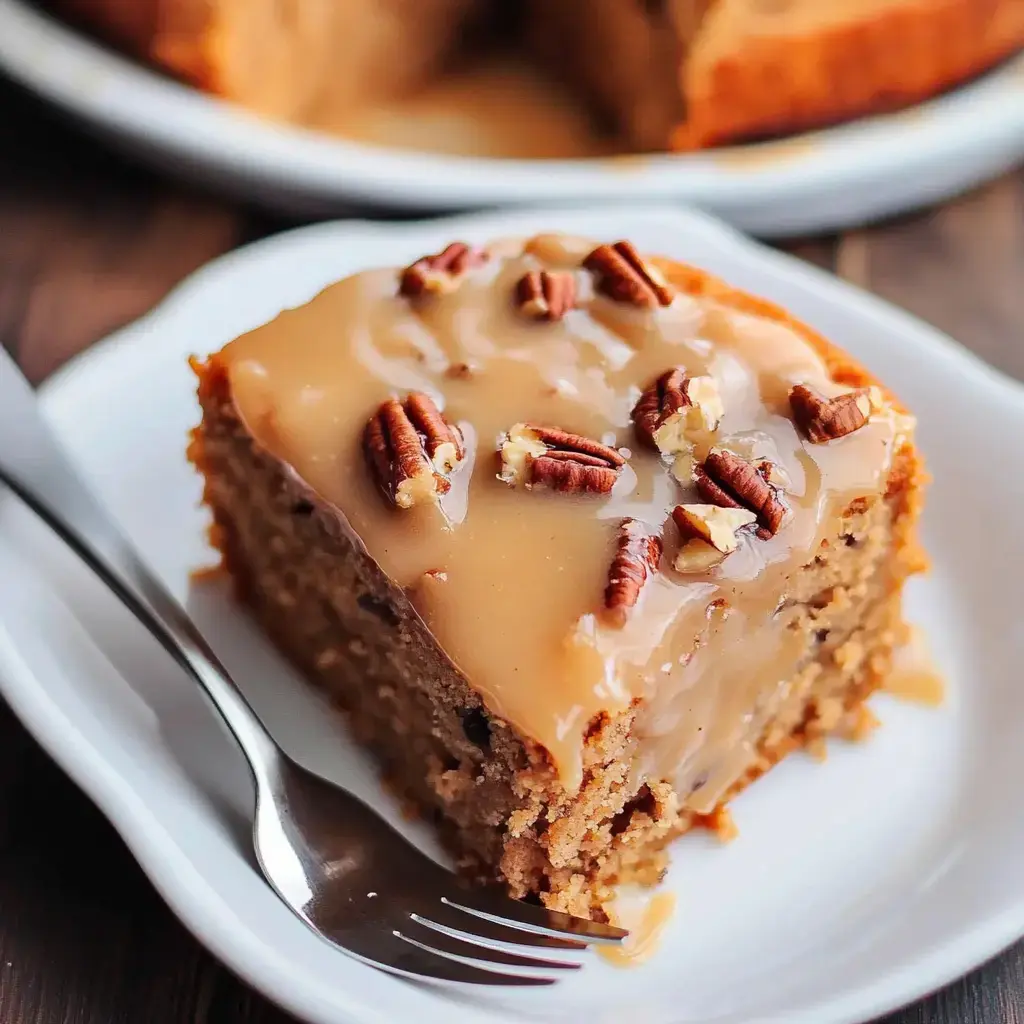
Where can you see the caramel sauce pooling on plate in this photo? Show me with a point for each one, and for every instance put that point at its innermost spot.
(519, 606)
(645, 915)
(914, 675)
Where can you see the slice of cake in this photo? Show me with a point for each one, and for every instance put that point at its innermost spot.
(583, 541)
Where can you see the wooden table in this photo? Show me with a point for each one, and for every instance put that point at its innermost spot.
(89, 242)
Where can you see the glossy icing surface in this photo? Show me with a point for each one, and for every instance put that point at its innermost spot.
(510, 580)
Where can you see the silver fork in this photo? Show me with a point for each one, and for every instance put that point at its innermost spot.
(343, 870)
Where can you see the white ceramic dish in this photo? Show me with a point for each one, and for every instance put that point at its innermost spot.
(853, 887)
(827, 180)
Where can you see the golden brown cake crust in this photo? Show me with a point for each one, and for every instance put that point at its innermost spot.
(888, 58)
(501, 804)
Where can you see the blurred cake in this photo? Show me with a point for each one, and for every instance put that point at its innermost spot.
(686, 74)
(584, 541)
(669, 74)
(289, 58)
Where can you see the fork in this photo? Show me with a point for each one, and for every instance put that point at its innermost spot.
(344, 871)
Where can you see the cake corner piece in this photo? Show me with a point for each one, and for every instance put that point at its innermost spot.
(583, 541)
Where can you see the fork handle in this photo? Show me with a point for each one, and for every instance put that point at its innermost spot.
(34, 467)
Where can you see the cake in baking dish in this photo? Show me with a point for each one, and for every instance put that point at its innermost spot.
(584, 541)
(670, 74)
(687, 74)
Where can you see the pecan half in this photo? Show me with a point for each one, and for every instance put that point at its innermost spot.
(535, 456)
(410, 448)
(622, 275)
(546, 294)
(673, 405)
(824, 419)
(637, 553)
(697, 555)
(441, 272)
(726, 480)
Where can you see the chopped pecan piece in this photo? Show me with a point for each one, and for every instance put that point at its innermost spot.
(696, 555)
(726, 480)
(637, 553)
(546, 294)
(411, 448)
(713, 524)
(824, 419)
(441, 272)
(535, 456)
(622, 275)
(673, 405)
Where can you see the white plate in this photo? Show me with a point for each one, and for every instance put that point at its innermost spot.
(853, 887)
(826, 180)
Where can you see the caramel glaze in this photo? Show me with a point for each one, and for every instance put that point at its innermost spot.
(645, 915)
(914, 676)
(519, 608)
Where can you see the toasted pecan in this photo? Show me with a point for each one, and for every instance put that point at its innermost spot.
(538, 456)
(622, 274)
(726, 480)
(441, 272)
(825, 419)
(546, 294)
(637, 554)
(673, 405)
(411, 449)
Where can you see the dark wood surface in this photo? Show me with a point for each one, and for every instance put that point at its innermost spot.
(89, 242)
